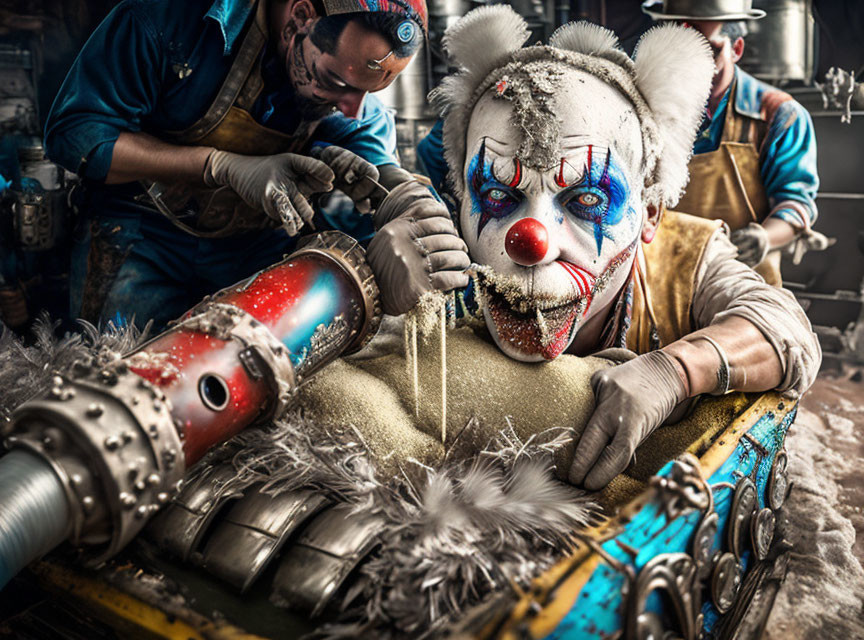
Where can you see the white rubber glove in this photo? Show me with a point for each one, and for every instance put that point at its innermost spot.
(278, 184)
(632, 399)
(351, 172)
(752, 242)
(416, 250)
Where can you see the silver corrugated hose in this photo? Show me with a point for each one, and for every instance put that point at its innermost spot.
(34, 514)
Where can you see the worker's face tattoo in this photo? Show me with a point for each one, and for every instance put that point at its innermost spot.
(556, 244)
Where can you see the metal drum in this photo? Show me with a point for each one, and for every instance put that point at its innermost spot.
(780, 46)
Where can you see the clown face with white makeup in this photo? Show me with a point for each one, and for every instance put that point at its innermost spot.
(564, 159)
(556, 236)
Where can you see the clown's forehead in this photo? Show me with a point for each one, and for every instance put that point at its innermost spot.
(590, 112)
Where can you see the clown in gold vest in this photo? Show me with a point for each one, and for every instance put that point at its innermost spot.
(565, 159)
(201, 130)
(754, 162)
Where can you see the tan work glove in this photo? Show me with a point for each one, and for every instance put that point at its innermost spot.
(278, 184)
(416, 249)
(632, 399)
(351, 173)
(752, 242)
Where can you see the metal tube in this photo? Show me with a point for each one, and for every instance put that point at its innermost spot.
(35, 514)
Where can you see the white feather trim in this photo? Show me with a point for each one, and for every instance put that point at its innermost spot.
(674, 70)
(479, 40)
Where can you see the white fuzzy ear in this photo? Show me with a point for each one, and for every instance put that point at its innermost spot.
(584, 37)
(478, 40)
(674, 70)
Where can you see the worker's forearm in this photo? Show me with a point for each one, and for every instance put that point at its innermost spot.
(780, 232)
(139, 156)
(753, 363)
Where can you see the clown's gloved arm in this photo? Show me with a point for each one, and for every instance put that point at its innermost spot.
(750, 337)
(416, 248)
(632, 400)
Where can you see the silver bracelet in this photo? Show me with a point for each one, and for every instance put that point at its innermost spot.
(723, 372)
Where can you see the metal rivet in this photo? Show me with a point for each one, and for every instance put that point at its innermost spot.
(57, 381)
(76, 479)
(88, 503)
(154, 480)
(142, 511)
(140, 486)
(95, 409)
(162, 497)
(47, 441)
(112, 443)
(127, 436)
(153, 430)
(168, 457)
(56, 392)
(127, 500)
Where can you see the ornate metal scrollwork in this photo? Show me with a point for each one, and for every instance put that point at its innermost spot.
(744, 503)
(684, 488)
(778, 482)
(676, 574)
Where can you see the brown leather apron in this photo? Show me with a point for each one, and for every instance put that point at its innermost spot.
(227, 125)
(726, 184)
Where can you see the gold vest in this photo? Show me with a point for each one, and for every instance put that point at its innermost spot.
(665, 280)
(726, 184)
(227, 125)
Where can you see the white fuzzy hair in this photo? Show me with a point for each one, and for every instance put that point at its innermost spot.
(590, 39)
(478, 41)
(674, 70)
(668, 84)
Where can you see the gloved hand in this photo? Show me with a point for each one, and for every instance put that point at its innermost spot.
(632, 399)
(350, 170)
(276, 184)
(752, 242)
(416, 249)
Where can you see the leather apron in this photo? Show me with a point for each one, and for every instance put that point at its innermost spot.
(726, 184)
(227, 125)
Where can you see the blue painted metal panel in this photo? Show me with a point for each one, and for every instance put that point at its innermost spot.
(598, 612)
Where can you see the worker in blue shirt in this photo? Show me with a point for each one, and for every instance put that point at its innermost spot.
(201, 129)
(754, 162)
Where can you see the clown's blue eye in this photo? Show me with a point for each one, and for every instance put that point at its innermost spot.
(497, 202)
(585, 202)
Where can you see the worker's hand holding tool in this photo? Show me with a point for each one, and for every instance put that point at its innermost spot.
(279, 184)
(355, 177)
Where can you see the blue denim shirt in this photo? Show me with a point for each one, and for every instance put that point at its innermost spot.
(787, 162)
(156, 65)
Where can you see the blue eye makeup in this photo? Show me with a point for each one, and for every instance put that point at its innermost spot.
(599, 199)
(490, 198)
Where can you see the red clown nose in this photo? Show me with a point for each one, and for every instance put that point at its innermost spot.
(527, 242)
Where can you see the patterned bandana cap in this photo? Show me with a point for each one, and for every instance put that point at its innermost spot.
(413, 9)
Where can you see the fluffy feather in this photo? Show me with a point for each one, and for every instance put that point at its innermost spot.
(674, 69)
(471, 526)
(479, 40)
